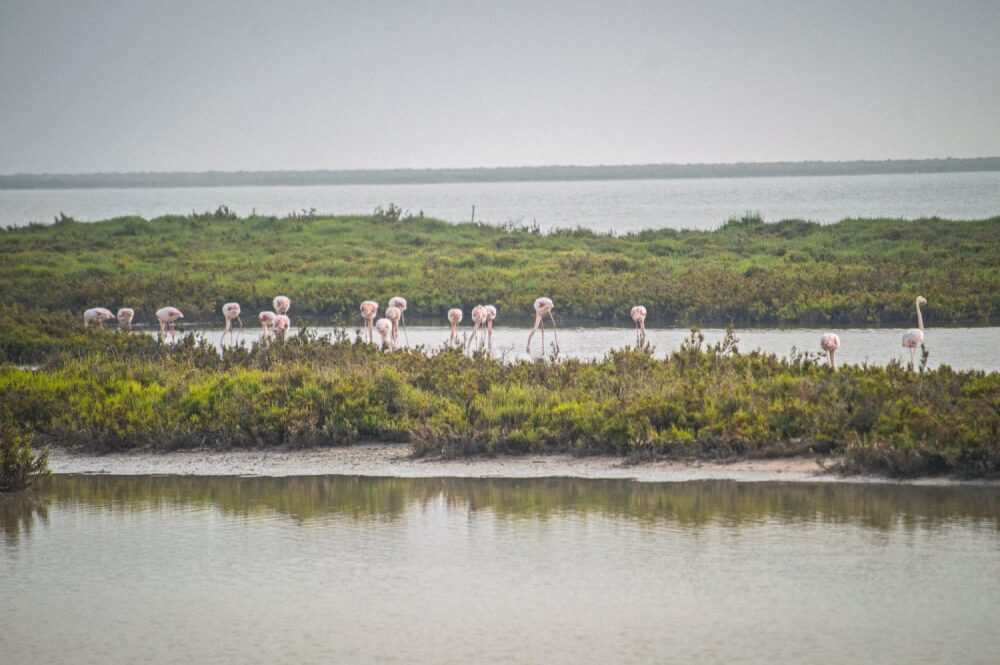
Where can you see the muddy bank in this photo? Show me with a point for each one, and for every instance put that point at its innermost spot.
(395, 460)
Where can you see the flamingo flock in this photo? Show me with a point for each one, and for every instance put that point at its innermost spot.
(483, 317)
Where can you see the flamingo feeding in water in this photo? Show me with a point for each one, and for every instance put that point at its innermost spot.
(478, 321)
(231, 310)
(393, 314)
(125, 316)
(369, 310)
(830, 342)
(167, 316)
(281, 324)
(454, 318)
(543, 306)
(266, 320)
(384, 328)
(491, 315)
(914, 337)
(638, 314)
(97, 315)
(281, 304)
(399, 302)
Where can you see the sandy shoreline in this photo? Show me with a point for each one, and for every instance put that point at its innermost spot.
(393, 460)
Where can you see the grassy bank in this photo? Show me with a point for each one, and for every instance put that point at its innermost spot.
(699, 402)
(748, 272)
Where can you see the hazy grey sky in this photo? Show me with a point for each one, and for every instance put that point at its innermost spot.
(137, 85)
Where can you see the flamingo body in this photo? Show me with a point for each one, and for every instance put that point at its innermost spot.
(454, 318)
(281, 324)
(369, 310)
(542, 307)
(830, 342)
(913, 338)
(393, 314)
(231, 310)
(167, 316)
(266, 320)
(399, 302)
(638, 314)
(125, 316)
(281, 304)
(384, 329)
(97, 315)
(491, 316)
(478, 321)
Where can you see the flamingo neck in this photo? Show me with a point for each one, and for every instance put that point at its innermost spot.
(920, 319)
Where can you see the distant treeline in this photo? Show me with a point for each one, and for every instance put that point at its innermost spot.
(499, 174)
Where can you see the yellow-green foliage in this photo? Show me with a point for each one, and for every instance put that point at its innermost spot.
(698, 402)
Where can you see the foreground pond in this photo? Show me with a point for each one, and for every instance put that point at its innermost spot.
(962, 348)
(335, 569)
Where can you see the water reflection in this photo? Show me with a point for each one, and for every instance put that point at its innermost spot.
(689, 504)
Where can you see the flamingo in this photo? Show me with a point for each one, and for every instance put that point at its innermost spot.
(393, 314)
(125, 316)
(914, 337)
(281, 304)
(384, 328)
(369, 310)
(97, 315)
(478, 321)
(231, 310)
(266, 320)
(281, 324)
(454, 318)
(830, 342)
(399, 302)
(491, 315)
(167, 316)
(638, 315)
(543, 306)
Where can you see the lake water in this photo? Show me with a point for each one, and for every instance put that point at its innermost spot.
(961, 348)
(345, 569)
(622, 205)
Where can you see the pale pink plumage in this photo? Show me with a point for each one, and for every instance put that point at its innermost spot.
(830, 342)
(369, 310)
(542, 307)
(281, 304)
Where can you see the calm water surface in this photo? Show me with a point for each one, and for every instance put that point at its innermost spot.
(961, 348)
(622, 205)
(345, 569)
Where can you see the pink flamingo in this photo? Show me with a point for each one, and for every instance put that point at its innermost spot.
(266, 320)
(384, 329)
(281, 324)
(478, 321)
(543, 306)
(399, 302)
(167, 316)
(281, 304)
(830, 342)
(393, 314)
(369, 310)
(491, 315)
(454, 318)
(125, 316)
(638, 315)
(231, 310)
(914, 337)
(97, 315)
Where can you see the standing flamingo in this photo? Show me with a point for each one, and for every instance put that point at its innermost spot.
(478, 321)
(281, 304)
(491, 315)
(369, 310)
(830, 342)
(384, 329)
(125, 316)
(543, 306)
(393, 314)
(231, 310)
(454, 318)
(97, 315)
(914, 337)
(167, 316)
(281, 324)
(266, 320)
(638, 315)
(399, 302)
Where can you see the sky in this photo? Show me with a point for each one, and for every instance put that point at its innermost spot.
(243, 85)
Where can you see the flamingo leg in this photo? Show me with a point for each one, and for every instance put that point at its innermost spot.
(538, 320)
(554, 333)
(402, 319)
(913, 359)
(489, 336)
(475, 334)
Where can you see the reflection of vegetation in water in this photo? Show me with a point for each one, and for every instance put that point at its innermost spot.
(20, 511)
(691, 504)
(700, 402)
(747, 272)
(19, 463)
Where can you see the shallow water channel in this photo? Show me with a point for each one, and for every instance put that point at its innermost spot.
(162, 569)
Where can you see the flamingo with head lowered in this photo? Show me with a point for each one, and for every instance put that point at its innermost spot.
(97, 315)
(399, 302)
(543, 306)
(914, 337)
(125, 316)
(830, 342)
(266, 320)
(281, 304)
(281, 325)
(478, 321)
(167, 316)
(638, 314)
(384, 329)
(231, 310)
(491, 316)
(369, 310)
(454, 318)
(393, 314)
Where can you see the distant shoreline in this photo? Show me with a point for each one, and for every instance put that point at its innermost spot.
(496, 174)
